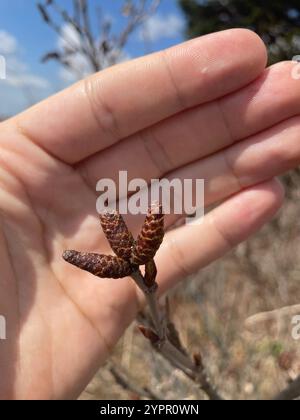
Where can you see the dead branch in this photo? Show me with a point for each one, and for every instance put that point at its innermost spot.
(96, 44)
(122, 378)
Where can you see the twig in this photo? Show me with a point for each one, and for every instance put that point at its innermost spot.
(174, 355)
(129, 255)
(195, 373)
(151, 299)
(123, 380)
(173, 334)
(100, 49)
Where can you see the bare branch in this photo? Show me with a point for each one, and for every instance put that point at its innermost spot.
(100, 49)
(122, 378)
(177, 356)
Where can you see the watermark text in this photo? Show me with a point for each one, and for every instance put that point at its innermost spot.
(296, 327)
(2, 328)
(2, 67)
(177, 196)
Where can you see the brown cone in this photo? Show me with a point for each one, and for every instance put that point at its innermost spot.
(117, 234)
(104, 266)
(150, 237)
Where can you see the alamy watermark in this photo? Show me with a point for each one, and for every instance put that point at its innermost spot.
(296, 68)
(2, 67)
(2, 328)
(296, 327)
(177, 196)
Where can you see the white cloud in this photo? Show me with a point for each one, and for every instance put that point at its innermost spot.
(8, 44)
(69, 37)
(27, 80)
(162, 26)
(21, 87)
(18, 73)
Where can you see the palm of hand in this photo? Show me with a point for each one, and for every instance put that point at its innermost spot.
(65, 324)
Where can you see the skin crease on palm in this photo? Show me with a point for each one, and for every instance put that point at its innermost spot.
(208, 109)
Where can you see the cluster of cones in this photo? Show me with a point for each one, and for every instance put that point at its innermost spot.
(129, 253)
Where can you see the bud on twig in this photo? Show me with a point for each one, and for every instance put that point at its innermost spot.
(117, 234)
(104, 266)
(149, 334)
(198, 360)
(150, 237)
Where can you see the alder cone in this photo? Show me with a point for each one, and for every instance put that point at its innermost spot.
(104, 266)
(117, 234)
(150, 237)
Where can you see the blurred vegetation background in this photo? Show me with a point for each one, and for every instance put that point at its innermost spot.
(277, 22)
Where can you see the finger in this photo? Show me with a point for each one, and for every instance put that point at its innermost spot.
(191, 247)
(252, 161)
(249, 162)
(96, 113)
(200, 131)
(268, 154)
(271, 98)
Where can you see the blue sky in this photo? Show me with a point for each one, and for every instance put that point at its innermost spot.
(24, 39)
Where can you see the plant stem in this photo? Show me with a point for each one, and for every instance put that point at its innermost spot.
(166, 348)
(139, 281)
(151, 299)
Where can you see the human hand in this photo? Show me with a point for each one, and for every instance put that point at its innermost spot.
(205, 109)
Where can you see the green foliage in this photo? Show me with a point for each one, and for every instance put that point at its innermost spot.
(276, 22)
(276, 349)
